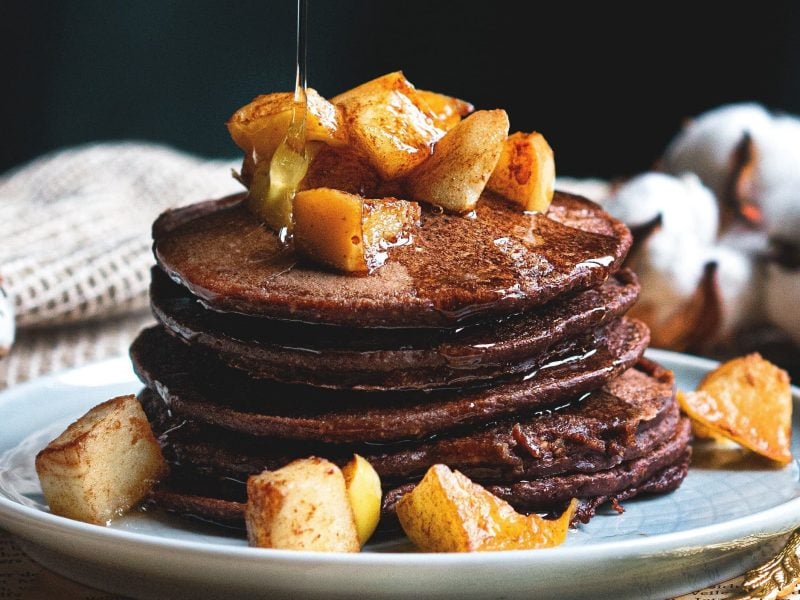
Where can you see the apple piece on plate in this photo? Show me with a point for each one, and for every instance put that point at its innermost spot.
(364, 491)
(347, 232)
(388, 122)
(749, 401)
(447, 512)
(259, 127)
(462, 162)
(302, 506)
(526, 172)
(103, 464)
(446, 111)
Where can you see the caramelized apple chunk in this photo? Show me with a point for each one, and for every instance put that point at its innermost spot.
(347, 232)
(102, 464)
(446, 111)
(526, 172)
(260, 126)
(388, 122)
(749, 401)
(447, 512)
(342, 169)
(302, 506)
(364, 492)
(462, 162)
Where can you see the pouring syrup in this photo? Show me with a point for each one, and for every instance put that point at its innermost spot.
(290, 161)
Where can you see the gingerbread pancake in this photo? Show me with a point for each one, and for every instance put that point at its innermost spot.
(195, 385)
(388, 359)
(494, 263)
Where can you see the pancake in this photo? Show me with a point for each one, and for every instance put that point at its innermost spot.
(498, 262)
(379, 358)
(542, 494)
(661, 471)
(197, 386)
(626, 419)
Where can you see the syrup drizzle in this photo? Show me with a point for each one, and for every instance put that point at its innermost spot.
(290, 161)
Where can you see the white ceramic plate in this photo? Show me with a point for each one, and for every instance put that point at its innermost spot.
(731, 512)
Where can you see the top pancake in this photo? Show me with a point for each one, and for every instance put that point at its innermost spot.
(496, 262)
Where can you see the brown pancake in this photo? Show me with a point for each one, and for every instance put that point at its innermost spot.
(500, 261)
(625, 419)
(666, 480)
(659, 472)
(375, 359)
(542, 493)
(198, 387)
(529, 495)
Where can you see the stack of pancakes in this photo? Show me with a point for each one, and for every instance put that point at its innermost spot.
(494, 343)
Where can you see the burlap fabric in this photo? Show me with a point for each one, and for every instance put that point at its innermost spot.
(75, 246)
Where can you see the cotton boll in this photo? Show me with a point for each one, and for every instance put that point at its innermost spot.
(782, 294)
(6, 323)
(752, 242)
(670, 260)
(635, 202)
(707, 144)
(700, 263)
(763, 180)
(775, 178)
(670, 268)
(686, 207)
(739, 281)
(696, 295)
(679, 257)
(696, 290)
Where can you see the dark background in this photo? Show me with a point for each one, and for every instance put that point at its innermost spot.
(607, 83)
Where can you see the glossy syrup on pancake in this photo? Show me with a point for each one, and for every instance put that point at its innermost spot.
(289, 164)
(199, 387)
(379, 358)
(624, 420)
(622, 440)
(458, 269)
(269, 358)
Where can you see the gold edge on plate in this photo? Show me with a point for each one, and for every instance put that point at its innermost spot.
(777, 577)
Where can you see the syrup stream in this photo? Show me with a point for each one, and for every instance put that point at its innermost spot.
(290, 161)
